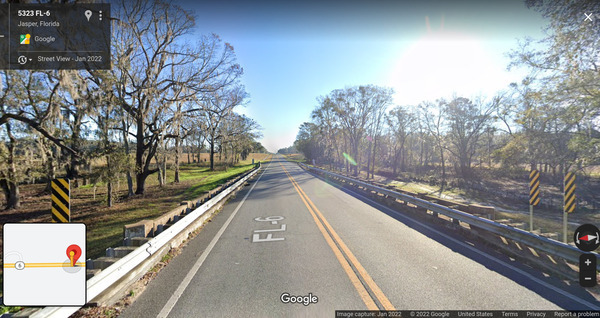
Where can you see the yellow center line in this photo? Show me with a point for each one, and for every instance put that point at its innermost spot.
(363, 273)
(39, 265)
(372, 285)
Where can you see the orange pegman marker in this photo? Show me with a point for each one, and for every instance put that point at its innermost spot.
(73, 253)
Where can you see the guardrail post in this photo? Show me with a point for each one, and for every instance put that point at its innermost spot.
(110, 252)
(455, 222)
(89, 263)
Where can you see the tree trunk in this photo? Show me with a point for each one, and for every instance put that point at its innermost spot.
(346, 160)
(11, 194)
(188, 150)
(126, 144)
(129, 184)
(109, 194)
(140, 174)
(421, 153)
(374, 157)
(395, 162)
(212, 156)
(73, 166)
(13, 199)
(4, 186)
(177, 150)
(160, 178)
(50, 168)
(402, 156)
(164, 169)
(355, 154)
(443, 169)
(369, 159)
(140, 181)
(109, 186)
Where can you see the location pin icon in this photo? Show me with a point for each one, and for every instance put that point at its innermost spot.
(88, 14)
(73, 253)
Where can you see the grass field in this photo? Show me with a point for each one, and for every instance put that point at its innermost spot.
(104, 226)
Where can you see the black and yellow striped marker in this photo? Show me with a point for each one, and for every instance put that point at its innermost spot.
(61, 200)
(569, 192)
(534, 187)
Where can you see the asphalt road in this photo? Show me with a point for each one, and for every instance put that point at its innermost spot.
(291, 232)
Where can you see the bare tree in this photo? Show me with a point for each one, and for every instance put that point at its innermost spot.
(401, 123)
(218, 108)
(354, 107)
(466, 122)
(433, 124)
(159, 69)
(380, 100)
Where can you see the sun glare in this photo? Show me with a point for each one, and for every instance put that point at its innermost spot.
(442, 63)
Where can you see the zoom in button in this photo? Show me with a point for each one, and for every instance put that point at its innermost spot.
(587, 270)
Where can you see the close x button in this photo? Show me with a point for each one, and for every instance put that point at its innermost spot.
(587, 270)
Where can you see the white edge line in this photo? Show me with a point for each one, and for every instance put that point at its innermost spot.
(190, 275)
(486, 255)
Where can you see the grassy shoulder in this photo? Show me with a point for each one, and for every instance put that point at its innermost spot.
(106, 230)
(104, 225)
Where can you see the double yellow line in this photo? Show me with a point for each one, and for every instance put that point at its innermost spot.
(32, 265)
(345, 256)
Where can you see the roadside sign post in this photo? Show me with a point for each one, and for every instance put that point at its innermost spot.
(569, 200)
(61, 200)
(534, 194)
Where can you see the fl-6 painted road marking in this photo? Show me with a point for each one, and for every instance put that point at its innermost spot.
(355, 271)
(190, 275)
(269, 238)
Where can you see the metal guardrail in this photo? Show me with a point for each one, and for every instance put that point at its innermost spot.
(546, 245)
(107, 277)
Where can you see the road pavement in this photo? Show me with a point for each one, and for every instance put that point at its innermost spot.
(291, 233)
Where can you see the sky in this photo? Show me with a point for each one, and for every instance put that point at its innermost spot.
(295, 51)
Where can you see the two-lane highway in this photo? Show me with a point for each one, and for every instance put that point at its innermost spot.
(292, 233)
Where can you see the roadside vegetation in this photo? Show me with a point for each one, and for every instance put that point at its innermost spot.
(158, 128)
(480, 149)
(162, 97)
(104, 225)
